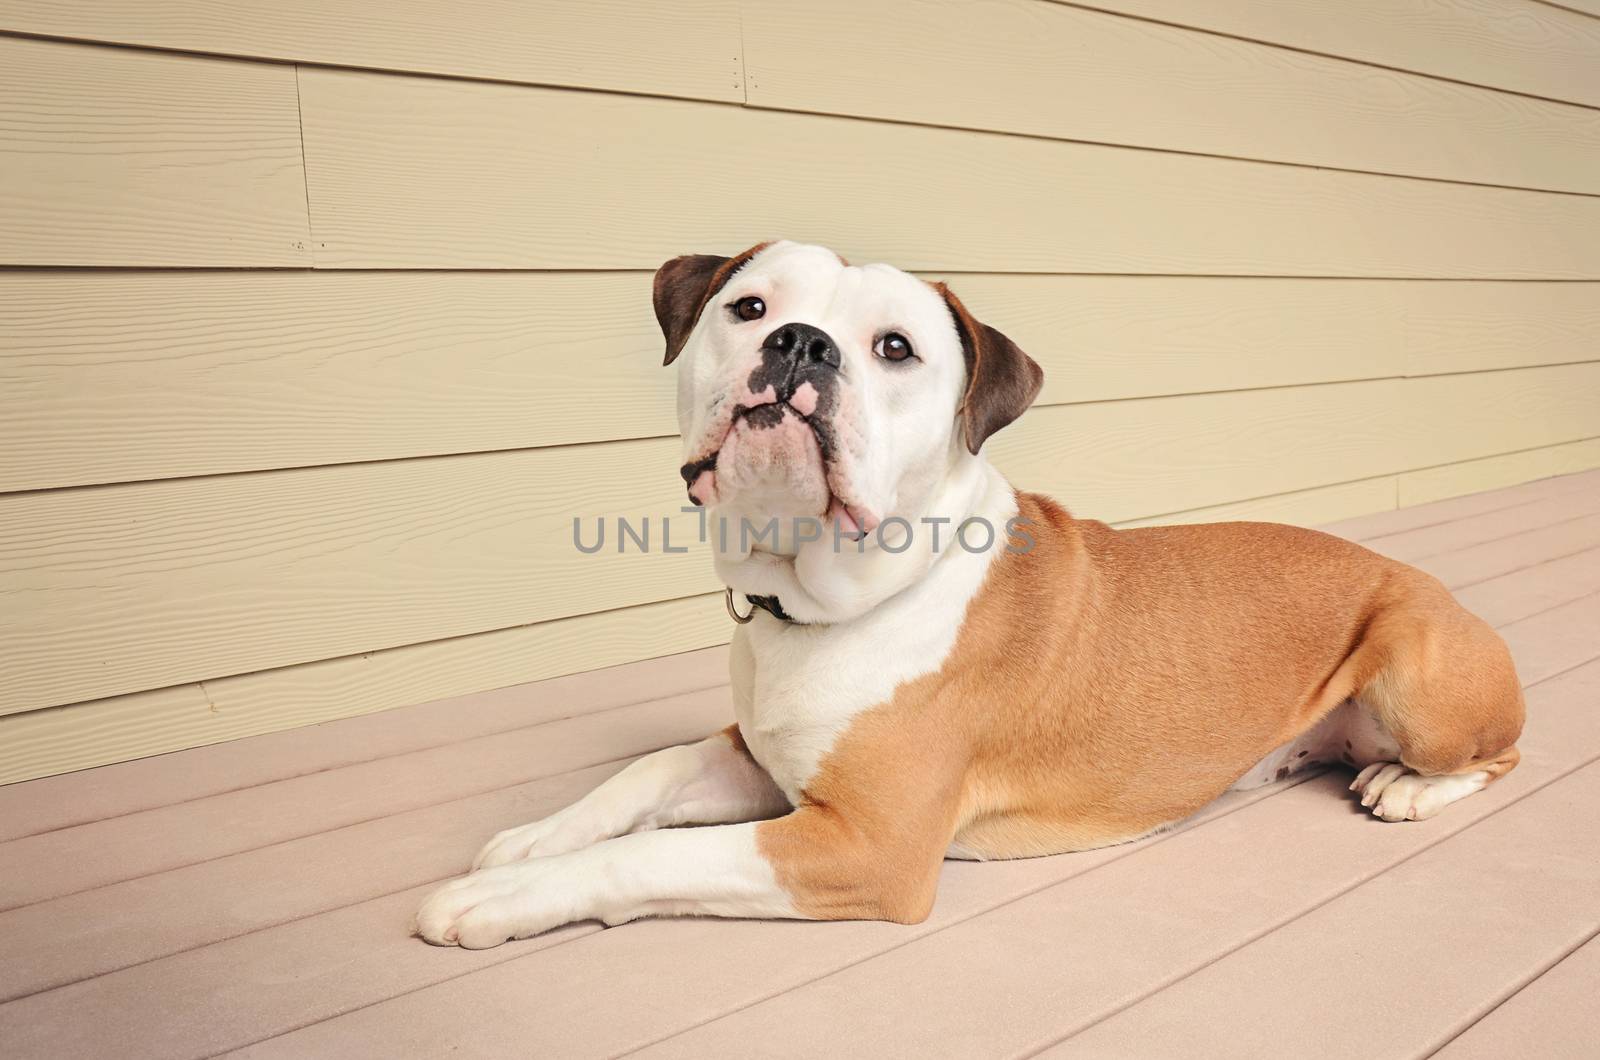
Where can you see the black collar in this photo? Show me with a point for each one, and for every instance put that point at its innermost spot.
(771, 606)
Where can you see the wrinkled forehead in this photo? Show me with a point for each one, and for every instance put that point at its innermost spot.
(812, 283)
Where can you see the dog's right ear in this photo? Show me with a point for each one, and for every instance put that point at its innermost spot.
(684, 285)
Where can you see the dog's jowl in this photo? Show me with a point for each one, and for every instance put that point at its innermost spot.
(955, 668)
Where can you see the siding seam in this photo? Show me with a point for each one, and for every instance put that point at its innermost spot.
(1084, 6)
(305, 168)
(975, 130)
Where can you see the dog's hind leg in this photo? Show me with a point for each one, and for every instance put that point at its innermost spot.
(1443, 686)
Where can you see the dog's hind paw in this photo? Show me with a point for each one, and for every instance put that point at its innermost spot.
(1396, 793)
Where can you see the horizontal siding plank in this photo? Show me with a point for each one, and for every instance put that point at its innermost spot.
(1100, 338)
(116, 157)
(1454, 480)
(125, 376)
(683, 49)
(57, 740)
(1064, 72)
(115, 376)
(1323, 504)
(129, 587)
(122, 588)
(1523, 45)
(43, 743)
(1126, 460)
(1471, 327)
(388, 159)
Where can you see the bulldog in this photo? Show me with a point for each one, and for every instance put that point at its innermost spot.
(909, 687)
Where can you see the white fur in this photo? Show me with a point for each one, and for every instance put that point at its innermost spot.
(712, 871)
(796, 688)
(1396, 793)
(710, 782)
(907, 456)
(877, 617)
(1351, 734)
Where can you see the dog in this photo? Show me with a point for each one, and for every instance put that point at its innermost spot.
(902, 697)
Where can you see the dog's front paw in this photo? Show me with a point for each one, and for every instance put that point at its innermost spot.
(542, 839)
(494, 906)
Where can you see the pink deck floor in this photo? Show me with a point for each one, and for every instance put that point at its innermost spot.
(255, 896)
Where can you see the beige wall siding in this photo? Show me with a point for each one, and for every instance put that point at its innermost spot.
(117, 157)
(118, 376)
(1281, 260)
(419, 173)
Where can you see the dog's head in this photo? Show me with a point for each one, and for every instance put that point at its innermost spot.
(811, 387)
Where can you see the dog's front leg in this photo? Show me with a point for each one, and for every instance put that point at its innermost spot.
(821, 862)
(714, 781)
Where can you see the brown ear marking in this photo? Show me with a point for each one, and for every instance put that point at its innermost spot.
(684, 285)
(1002, 381)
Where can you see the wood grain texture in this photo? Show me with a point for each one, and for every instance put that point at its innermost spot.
(682, 49)
(1064, 72)
(116, 157)
(1458, 327)
(1493, 472)
(1524, 45)
(1585, 7)
(81, 735)
(1322, 504)
(114, 376)
(389, 159)
(1116, 460)
(129, 587)
(294, 566)
(120, 376)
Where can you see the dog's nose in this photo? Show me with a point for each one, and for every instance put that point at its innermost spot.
(804, 343)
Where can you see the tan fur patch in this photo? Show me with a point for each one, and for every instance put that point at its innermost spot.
(1107, 683)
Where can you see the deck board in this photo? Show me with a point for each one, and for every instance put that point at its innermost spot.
(1382, 946)
(454, 763)
(255, 895)
(130, 787)
(1011, 953)
(1556, 1010)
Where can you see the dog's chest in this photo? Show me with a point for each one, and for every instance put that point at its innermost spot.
(798, 690)
(796, 704)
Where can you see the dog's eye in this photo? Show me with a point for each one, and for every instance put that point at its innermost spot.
(893, 347)
(749, 308)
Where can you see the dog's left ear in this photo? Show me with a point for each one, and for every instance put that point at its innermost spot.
(684, 285)
(1002, 381)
